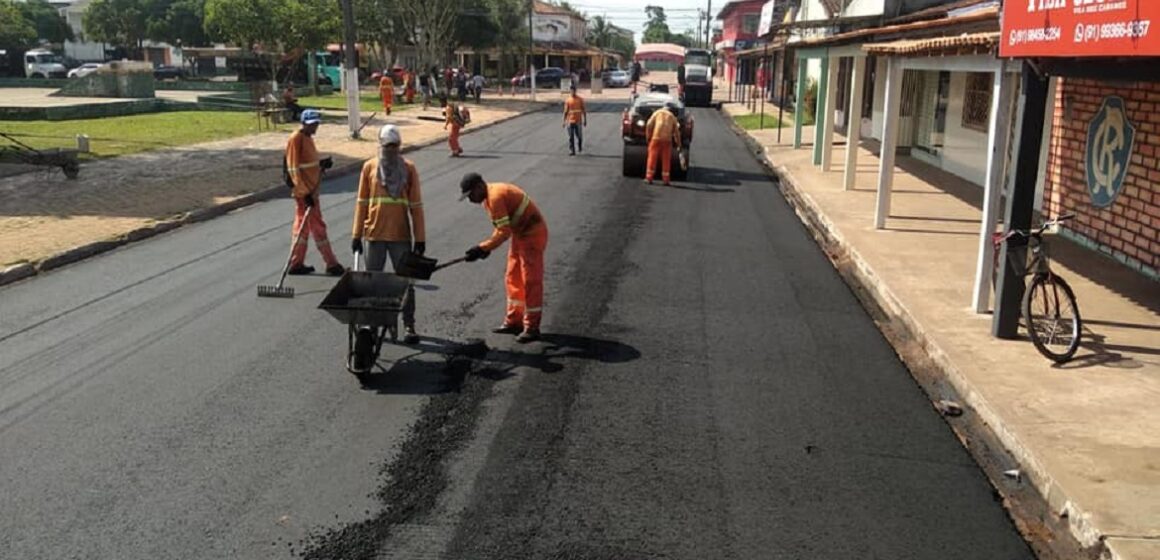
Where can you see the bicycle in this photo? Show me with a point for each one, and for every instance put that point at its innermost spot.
(1049, 307)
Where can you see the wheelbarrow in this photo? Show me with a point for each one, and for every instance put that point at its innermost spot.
(369, 303)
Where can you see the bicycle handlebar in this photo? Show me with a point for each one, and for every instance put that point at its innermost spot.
(1039, 230)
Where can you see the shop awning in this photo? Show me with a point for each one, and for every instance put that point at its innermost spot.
(967, 43)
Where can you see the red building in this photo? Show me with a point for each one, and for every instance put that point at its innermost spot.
(740, 19)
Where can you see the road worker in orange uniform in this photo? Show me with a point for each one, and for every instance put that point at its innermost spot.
(575, 118)
(514, 216)
(662, 132)
(409, 86)
(305, 169)
(388, 215)
(387, 92)
(453, 119)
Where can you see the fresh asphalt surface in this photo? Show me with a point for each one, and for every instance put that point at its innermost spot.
(708, 388)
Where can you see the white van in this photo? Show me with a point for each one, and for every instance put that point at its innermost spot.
(41, 63)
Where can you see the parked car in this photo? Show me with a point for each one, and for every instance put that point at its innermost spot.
(634, 118)
(167, 72)
(545, 78)
(84, 69)
(617, 78)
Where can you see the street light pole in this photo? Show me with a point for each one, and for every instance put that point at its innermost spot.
(531, 50)
(351, 63)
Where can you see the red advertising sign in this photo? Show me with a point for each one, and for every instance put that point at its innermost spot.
(1080, 28)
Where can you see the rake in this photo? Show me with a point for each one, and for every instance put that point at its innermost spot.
(281, 291)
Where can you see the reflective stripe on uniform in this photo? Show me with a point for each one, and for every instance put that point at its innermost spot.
(520, 211)
(534, 310)
(385, 200)
(515, 303)
(501, 222)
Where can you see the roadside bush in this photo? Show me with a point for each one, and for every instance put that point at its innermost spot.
(810, 103)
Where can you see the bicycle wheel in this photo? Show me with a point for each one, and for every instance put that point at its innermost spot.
(1052, 317)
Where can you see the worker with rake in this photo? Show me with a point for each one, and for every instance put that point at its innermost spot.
(388, 215)
(305, 173)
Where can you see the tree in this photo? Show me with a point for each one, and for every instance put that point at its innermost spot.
(178, 22)
(49, 25)
(246, 23)
(309, 25)
(475, 27)
(122, 23)
(623, 45)
(686, 39)
(434, 25)
(381, 24)
(600, 32)
(16, 33)
(511, 20)
(657, 28)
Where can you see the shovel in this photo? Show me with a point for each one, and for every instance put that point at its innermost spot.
(421, 268)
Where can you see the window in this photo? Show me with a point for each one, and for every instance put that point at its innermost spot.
(749, 23)
(977, 101)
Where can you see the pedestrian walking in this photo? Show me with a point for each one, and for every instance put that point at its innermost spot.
(290, 101)
(387, 92)
(662, 132)
(575, 119)
(388, 215)
(453, 119)
(461, 85)
(479, 83)
(425, 88)
(305, 170)
(516, 217)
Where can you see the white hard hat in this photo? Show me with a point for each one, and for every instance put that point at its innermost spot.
(389, 134)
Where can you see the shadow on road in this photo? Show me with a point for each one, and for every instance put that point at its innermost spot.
(420, 373)
(724, 177)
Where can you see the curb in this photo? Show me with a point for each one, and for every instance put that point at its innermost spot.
(837, 248)
(23, 271)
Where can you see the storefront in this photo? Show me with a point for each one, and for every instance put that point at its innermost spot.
(1090, 129)
(1102, 118)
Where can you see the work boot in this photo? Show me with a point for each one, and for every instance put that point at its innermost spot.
(529, 335)
(508, 329)
(409, 335)
(300, 270)
(335, 269)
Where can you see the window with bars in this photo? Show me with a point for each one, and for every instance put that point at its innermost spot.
(977, 101)
(750, 23)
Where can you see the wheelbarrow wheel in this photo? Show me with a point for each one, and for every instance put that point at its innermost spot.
(362, 356)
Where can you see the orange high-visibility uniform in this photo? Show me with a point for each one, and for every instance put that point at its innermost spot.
(453, 138)
(302, 164)
(574, 110)
(515, 216)
(662, 132)
(409, 86)
(378, 216)
(387, 92)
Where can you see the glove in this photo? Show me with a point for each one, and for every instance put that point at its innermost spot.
(326, 163)
(420, 247)
(356, 245)
(308, 200)
(476, 253)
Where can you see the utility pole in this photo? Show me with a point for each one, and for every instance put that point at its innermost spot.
(351, 63)
(700, 17)
(709, 25)
(531, 50)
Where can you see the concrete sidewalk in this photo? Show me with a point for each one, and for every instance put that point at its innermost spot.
(1086, 433)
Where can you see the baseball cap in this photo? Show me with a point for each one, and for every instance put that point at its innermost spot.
(467, 183)
(311, 116)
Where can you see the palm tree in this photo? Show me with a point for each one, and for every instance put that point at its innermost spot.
(599, 32)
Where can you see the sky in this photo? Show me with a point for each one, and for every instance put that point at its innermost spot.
(629, 14)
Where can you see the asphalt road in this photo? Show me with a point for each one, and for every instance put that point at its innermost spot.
(707, 388)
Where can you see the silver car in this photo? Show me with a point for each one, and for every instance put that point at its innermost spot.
(617, 78)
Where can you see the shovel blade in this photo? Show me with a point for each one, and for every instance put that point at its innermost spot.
(416, 266)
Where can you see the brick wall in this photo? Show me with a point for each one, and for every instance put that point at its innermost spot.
(1128, 228)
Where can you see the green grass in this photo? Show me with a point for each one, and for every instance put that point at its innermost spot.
(368, 102)
(117, 136)
(753, 122)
